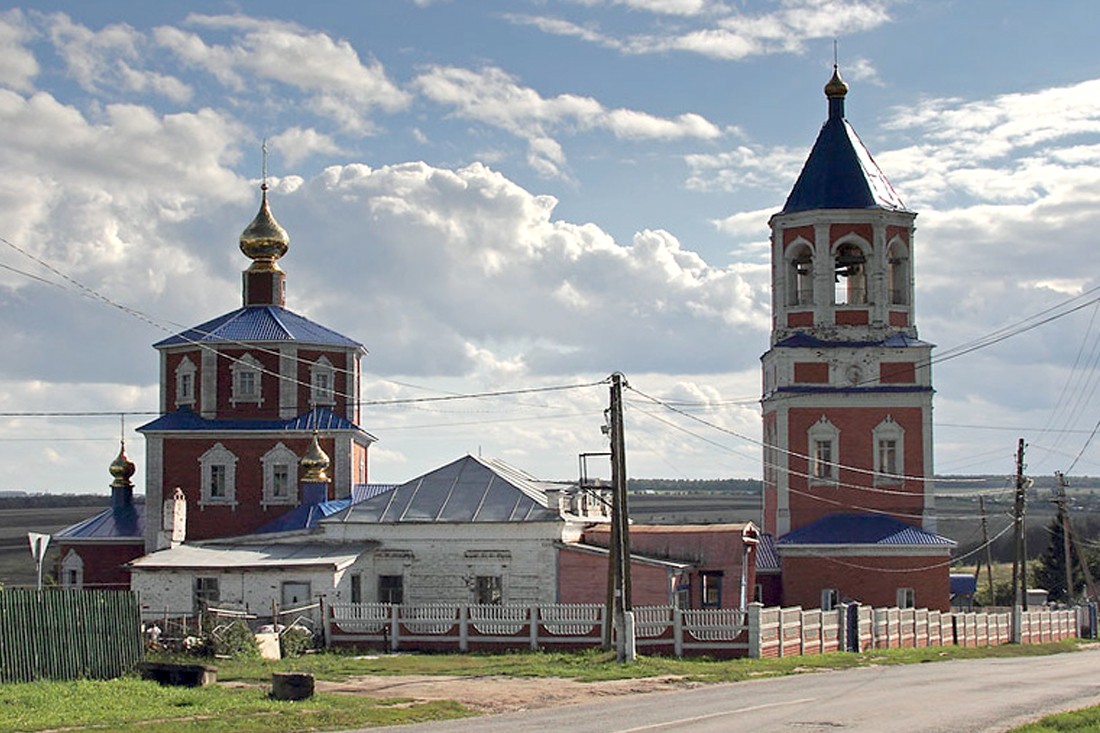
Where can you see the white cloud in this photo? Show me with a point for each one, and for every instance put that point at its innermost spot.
(296, 144)
(493, 97)
(18, 67)
(342, 85)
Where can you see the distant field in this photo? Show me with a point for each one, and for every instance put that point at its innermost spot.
(16, 563)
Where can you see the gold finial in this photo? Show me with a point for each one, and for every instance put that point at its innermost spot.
(122, 468)
(837, 88)
(264, 241)
(315, 462)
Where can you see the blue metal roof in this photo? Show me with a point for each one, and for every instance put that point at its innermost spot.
(467, 490)
(306, 515)
(861, 529)
(123, 523)
(802, 340)
(185, 419)
(963, 584)
(840, 173)
(260, 323)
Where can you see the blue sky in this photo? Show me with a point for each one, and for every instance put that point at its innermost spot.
(502, 195)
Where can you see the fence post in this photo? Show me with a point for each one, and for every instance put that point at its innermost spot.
(533, 617)
(754, 631)
(678, 632)
(394, 626)
(463, 627)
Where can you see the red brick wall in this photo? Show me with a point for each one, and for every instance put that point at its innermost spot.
(802, 318)
(839, 231)
(182, 469)
(897, 372)
(852, 318)
(861, 578)
(269, 385)
(582, 578)
(811, 372)
(855, 449)
(899, 319)
(789, 235)
(103, 563)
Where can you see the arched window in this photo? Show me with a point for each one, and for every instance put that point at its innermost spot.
(889, 446)
(219, 476)
(850, 275)
(322, 383)
(280, 476)
(800, 275)
(247, 380)
(897, 263)
(824, 444)
(185, 382)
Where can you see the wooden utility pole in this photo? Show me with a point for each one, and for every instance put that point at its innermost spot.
(620, 608)
(1063, 518)
(988, 553)
(1019, 561)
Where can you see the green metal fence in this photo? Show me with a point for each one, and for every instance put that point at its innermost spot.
(68, 634)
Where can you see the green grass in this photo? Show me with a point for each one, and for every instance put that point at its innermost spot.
(130, 705)
(1078, 721)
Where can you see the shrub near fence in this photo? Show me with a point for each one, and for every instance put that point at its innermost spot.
(64, 635)
(722, 633)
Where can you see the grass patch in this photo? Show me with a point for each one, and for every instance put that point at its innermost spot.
(1078, 721)
(131, 705)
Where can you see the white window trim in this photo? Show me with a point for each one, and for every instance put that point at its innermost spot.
(72, 562)
(280, 455)
(889, 430)
(186, 368)
(247, 364)
(319, 395)
(823, 430)
(219, 455)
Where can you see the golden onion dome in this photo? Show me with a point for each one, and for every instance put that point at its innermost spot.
(264, 241)
(837, 87)
(122, 468)
(315, 462)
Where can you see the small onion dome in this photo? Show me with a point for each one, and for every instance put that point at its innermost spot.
(122, 468)
(264, 241)
(315, 462)
(837, 87)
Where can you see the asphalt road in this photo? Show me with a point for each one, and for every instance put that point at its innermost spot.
(968, 696)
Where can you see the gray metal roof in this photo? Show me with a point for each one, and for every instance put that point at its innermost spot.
(467, 490)
(272, 556)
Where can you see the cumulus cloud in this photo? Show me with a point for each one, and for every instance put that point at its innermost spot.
(296, 144)
(18, 66)
(724, 32)
(494, 97)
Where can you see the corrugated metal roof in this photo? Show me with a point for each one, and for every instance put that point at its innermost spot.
(260, 556)
(767, 559)
(467, 490)
(110, 524)
(841, 174)
(861, 529)
(260, 323)
(186, 419)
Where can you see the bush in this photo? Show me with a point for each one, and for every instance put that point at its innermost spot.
(295, 641)
(233, 639)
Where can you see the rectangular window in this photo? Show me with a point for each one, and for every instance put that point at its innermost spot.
(391, 589)
(823, 459)
(246, 383)
(907, 598)
(218, 483)
(712, 590)
(488, 590)
(830, 597)
(356, 588)
(888, 456)
(280, 480)
(187, 382)
(206, 592)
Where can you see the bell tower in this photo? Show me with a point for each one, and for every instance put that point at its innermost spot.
(847, 389)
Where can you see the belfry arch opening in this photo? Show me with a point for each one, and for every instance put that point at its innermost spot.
(800, 275)
(897, 263)
(850, 275)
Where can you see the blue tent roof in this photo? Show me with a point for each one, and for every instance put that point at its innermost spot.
(123, 523)
(861, 529)
(805, 341)
(840, 173)
(185, 419)
(260, 323)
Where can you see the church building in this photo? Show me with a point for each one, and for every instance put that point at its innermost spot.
(847, 390)
(241, 397)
